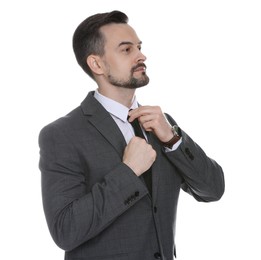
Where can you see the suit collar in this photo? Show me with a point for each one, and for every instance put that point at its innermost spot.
(97, 115)
(90, 105)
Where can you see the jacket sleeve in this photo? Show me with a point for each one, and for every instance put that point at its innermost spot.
(203, 177)
(74, 214)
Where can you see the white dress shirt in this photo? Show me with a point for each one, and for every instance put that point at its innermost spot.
(119, 113)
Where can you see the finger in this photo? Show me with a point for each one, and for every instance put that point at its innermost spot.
(146, 118)
(138, 112)
(148, 126)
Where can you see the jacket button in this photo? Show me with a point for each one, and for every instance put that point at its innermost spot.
(190, 155)
(157, 255)
(155, 209)
(137, 194)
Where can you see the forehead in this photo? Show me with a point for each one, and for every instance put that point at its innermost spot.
(117, 33)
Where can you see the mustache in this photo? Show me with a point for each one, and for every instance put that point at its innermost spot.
(138, 65)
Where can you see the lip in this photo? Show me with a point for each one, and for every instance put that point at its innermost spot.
(140, 68)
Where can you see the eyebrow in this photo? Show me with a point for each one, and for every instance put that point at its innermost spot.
(128, 43)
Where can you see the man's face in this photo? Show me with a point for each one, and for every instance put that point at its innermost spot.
(123, 61)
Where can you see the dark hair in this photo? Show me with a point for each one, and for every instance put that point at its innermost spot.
(88, 39)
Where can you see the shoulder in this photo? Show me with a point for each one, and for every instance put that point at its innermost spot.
(74, 116)
(61, 125)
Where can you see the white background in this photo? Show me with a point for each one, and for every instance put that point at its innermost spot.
(204, 62)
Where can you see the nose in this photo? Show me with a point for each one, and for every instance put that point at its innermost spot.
(141, 57)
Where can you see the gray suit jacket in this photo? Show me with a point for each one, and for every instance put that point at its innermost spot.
(96, 207)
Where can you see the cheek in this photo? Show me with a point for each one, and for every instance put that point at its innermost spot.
(117, 67)
(121, 69)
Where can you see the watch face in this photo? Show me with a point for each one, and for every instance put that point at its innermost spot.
(176, 130)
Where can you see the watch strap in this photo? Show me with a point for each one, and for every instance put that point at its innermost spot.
(176, 137)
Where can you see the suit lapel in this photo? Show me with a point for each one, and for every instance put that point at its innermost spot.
(103, 122)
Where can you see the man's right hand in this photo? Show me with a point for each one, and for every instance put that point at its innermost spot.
(139, 155)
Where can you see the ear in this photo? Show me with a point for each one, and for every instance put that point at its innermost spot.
(94, 63)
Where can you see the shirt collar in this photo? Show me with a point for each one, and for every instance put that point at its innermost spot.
(113, 107)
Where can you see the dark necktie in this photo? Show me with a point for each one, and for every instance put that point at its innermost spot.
(146, 175)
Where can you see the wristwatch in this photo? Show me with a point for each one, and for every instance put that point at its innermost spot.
(176, 136)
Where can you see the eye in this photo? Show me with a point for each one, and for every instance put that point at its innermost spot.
(126, 50)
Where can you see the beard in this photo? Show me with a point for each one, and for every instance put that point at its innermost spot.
(132, 82)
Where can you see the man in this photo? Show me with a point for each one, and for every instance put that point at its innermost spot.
(109, 194)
